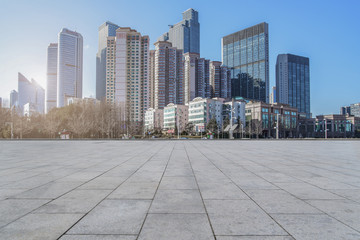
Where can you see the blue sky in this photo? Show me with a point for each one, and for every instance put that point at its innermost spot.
(327, 32)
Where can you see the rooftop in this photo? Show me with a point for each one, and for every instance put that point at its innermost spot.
(230, 190)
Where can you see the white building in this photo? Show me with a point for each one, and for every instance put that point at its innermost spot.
(30, 92)
(51, 77)
(131, 72)
(69, 66)
(154, 119)
(175, 115)
(238, 111)
(202, 110)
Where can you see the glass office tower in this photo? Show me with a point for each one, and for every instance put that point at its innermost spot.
(246, 53)
(185, 34)
(293, 82)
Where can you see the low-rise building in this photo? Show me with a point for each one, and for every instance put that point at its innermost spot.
(238, 112)
(337, 125)
(175, 116)
(202, 110)
(261, 119)
(154, 119)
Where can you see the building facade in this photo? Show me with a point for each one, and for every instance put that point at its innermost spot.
(346, 110)
(238, 112)
(154, 119)
(30, 92)
(14, 97)
(220, 80)
(169, 79)
(202, 110)
(246, 53)
(185, 35)
(132, 73)
(337, 126)
(175, 117)
(110, 70)
(106, 30)
(293, 82)
(190, 76)
(51, 77)
(70, 66)
(355, 109)
(273, 95)
(152, 79)
(261, 120)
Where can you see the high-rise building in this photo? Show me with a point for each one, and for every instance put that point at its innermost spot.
(70, 66)
(110, 70)
(30, 92)
(190, 76)
(293, 82)
(346, 110)
(132, 73)
(185, 34)
(355, 109)
(196, 77)
(14, 97)
(106, 30)
(1, 103)
(169, 67)
(273, 95)
(51, 77)
(246, 53)
(220, 80)
(202, 80)
(152, 79)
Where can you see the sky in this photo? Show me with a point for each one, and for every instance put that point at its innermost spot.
(328, 32)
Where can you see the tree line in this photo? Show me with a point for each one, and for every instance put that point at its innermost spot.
(83, 120)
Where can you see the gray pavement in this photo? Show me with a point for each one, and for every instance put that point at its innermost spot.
(199, 189)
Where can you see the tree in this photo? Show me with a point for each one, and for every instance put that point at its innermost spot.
(212, 126)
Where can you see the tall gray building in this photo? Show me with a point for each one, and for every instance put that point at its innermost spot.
(185, 34)
(293, 82)
(69, 66)
(246, 53)
(51, 77)
(14, 98)
(169, 69)
(106, 30)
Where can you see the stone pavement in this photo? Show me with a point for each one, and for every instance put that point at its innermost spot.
(199, 189)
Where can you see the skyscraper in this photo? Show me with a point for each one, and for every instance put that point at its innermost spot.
(51, 77)
(30, 92)
(14, 98)
(70, 66)
(185, 34)
(273, 95)
(355, 109)
(247, 54)
(169, 67)
(152, 79)
(202, 78)
(110, 69)
(220, 80)
(293, 82)
(196, 77)
(106, 30)
(190, 76)
(131, 73)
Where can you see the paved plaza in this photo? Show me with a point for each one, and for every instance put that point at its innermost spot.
(193, 189)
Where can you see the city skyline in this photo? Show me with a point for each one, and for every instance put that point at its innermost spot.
(326, 96)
